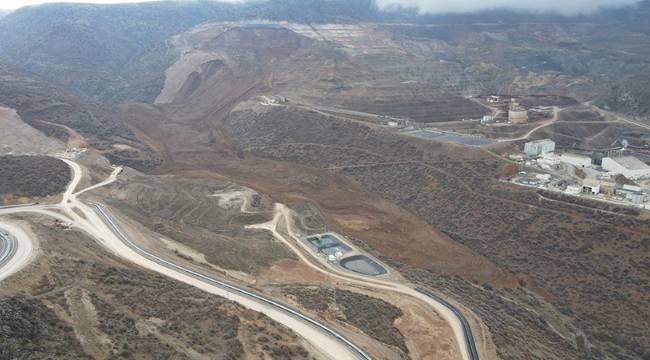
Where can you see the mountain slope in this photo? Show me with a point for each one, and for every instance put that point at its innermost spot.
(96, 50)
(551, 273)
(53, 110)
(118, 53)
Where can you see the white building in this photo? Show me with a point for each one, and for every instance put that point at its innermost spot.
(549, 161)
(539, 147)
(487, 119)
(576, 160)
(591, 186)
(633, 193)
(636, 198)
(633, 188)
(628, 166)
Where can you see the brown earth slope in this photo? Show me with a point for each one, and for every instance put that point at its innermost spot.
(46, 108)
(551, 272)
(551, 280)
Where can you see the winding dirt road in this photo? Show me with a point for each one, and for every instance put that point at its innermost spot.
(79, 215)
(82, 216)
(19, 246)
(283, 217)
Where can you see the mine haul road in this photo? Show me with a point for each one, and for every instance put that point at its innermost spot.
(99, 224)
(7, 248)
(453, 316)
(97, 221)
(16, 249)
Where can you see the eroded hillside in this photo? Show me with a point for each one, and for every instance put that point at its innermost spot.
(305, 148)
(241, 115)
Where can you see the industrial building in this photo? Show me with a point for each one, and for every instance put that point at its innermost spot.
(487, 119)
(576, 160)
(632, 193)
(517, 114)
(539, 147)
(494, 99)
(608, 187)
(549, 161)
(590, 186)
(628, 166)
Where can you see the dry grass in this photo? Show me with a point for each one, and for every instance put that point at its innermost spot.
(138, 314)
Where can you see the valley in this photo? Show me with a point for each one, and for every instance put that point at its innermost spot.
(238, 181)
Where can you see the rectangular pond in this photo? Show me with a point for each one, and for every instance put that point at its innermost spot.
(328, 244)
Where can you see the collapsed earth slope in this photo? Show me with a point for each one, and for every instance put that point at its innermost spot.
(390, 192)
(551, 280)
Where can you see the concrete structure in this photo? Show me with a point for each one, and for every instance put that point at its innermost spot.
(539, 147)
(576, 160)
(517, 114)
(549, 161)
(516, 157)
(493, 99)
(590, 186)
(607, 187)
(487, 119)
(573, 190)
(633, 193)
(636, 198)
(631, 188)
(628, 166)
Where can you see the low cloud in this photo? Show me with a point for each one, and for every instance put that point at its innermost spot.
(567, 7)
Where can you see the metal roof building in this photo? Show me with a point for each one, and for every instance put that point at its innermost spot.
(576, 160)
(628, 166)
(538, 147)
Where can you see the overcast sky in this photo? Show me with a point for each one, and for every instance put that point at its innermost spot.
(431, 6)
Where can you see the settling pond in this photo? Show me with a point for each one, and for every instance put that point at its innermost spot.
(363, 265)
